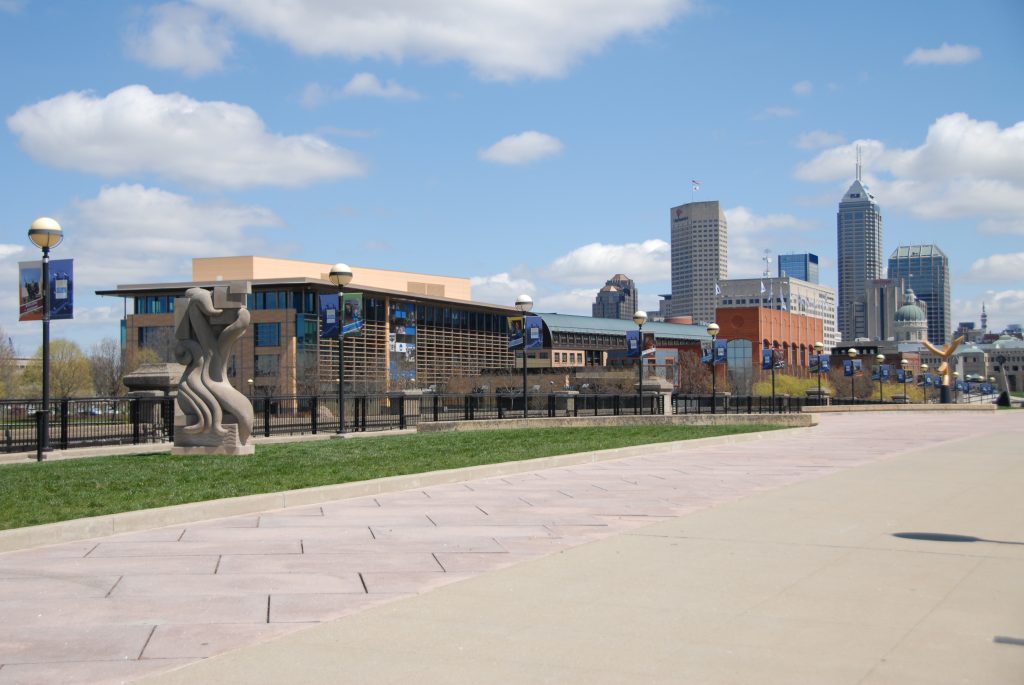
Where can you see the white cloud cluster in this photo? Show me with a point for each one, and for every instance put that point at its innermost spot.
(178, 36)
(502, 288)
(944, 54)
(148, 234)
(964, 168)
(499, 40)
(747, 239)
(361, 85)
(135, 131)
(776, 112)
(595, 263)
(803, 87)
(999, 267)
(813, 140)
(522, 148)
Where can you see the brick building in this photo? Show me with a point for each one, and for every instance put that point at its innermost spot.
(793, 335)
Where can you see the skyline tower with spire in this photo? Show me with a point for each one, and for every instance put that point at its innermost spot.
(859, 255)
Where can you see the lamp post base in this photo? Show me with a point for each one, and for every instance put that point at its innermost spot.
(946, 395)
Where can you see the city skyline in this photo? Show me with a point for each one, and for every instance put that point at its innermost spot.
(531, 151)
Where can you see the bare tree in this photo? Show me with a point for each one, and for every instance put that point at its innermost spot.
(8, 367)
(107, 364)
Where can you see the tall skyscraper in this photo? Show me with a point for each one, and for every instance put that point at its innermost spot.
(700, 258)
(617, 299)
(925, 268)
(803, 266)
(859, 243)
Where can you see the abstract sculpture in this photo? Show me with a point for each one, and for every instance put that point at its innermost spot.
(210, 416)
(944, 354)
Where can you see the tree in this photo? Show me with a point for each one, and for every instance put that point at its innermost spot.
(107, 365)
(8, 367)
(70, 373)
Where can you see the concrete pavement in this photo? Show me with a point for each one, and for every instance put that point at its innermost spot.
(710, 563)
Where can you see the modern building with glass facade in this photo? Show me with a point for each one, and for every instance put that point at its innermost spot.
(700, 258)
(803, 266)
(415, 335)
(859, 251)
(925, 269)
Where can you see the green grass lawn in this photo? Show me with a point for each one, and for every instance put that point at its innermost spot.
(31, 494)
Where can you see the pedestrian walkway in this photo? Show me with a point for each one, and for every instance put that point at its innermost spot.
(767, 561)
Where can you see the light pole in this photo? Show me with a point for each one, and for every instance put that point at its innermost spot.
(880, 359)
(852, 354)
(713, 329)
(341, 275)
(524, 303)
(819, 347)
(46, 234)
(956, 378)
(904, 363)
(640, 318)
(924, 386)
(250, 382)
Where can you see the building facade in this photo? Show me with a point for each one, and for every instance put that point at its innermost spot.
(783, 294)
(792, 335)
(617, 299)
(700, 257)
(803, 266)
(925, 268)
(859, 252)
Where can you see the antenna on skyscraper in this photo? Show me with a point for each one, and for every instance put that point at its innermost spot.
(767, 259)
(858, 163)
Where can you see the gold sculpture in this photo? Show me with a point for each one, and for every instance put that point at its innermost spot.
(944, 354)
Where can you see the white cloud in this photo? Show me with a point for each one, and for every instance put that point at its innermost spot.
(964, 168)
(803, 87)
(813, 140)
(500, 288)
(368, 85)
(180, 37)
(1007, 267)
(945, 54)
(136, 234)
(574, 301)
(134, 131)
(1010, 226)
(314, 95)
(11, 6)
(776, 113)
(1002, 306)
(750, 234)
(499, 40)
(595, 263)
(522, 148)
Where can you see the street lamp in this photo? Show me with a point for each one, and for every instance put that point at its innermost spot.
(46, 234)
(956, 379)
(524, 303)
(713, 329)
(640, 318)
(852, 354)
(904, 363)
(924, 387)
(341, 275)
(819, 347)
(880, 358)
(250, 382)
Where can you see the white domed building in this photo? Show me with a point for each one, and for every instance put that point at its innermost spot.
(910, 321)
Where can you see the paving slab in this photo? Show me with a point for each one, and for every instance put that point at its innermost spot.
(710, 562)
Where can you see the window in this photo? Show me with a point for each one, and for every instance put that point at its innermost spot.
(267, 364)
(268, 334)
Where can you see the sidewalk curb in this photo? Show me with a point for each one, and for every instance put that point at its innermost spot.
(145, 519)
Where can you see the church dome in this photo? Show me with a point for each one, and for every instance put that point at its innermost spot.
(909, 312)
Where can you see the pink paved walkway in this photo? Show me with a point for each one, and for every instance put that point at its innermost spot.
(119, 608)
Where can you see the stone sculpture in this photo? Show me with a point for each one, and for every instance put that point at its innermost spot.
(210, 416)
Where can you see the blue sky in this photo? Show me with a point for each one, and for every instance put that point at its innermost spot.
(534, 146)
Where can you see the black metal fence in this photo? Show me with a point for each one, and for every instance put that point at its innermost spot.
(97, 421)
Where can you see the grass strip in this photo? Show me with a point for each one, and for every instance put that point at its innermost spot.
(37, 493)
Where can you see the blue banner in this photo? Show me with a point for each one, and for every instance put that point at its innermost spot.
(633, 344)
(851, 367)
(515, 332)
(352, 319)
(721, 351)
(886, 372)
(329, 321)
(766, 359)
(534, 332)
(823, 361)
(960, 386)
(30, 292)
(901, 376)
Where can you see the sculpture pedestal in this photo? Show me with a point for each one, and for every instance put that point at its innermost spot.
(946, 395)
(208, 443)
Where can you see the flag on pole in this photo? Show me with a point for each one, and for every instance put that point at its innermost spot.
(696, 184)
(762, 288)
(718, 290)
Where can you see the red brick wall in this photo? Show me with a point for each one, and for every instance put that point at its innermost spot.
(794, 334)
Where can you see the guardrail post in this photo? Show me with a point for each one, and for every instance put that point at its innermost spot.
(501, 406)
(551, 406)
(750, 404)
(133, 416)
(465, 408)
(64, 423)
(168, 407)
(314, 411)
(266, 416)
(616, 407)
(41, 424)
(436, 401)
(401, 413)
